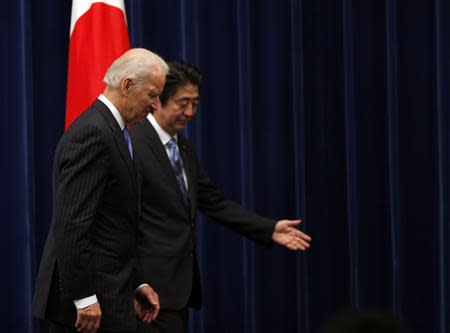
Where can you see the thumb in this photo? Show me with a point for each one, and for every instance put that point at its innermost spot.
(293, 223)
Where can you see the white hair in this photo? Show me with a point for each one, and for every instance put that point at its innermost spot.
(135, 63)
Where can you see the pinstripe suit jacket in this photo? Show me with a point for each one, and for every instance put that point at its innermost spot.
(166, 239)
(90, 247)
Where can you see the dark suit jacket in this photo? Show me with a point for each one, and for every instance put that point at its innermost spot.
(166, 238)
(91, 243)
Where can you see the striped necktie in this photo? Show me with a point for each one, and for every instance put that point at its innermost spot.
(177, 167)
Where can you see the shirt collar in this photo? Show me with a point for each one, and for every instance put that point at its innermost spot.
(163, 135)
(113, 110)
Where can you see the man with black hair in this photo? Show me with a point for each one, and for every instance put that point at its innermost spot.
(174, 187)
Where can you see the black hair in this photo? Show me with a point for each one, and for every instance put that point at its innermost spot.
(180, 74)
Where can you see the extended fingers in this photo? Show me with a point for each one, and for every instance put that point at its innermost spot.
(297, 243)
(299, 234)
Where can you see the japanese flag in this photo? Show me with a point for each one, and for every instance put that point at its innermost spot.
(98, 35)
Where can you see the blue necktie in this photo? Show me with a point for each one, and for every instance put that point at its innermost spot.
(128, 141)
(177, 167)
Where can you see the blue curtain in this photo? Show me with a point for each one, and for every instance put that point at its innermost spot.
(334, 111)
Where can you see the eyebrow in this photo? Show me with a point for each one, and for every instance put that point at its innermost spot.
(188, 98)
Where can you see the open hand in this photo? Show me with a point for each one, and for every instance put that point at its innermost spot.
(287, 234)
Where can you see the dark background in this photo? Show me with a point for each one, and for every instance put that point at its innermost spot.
(334, 111)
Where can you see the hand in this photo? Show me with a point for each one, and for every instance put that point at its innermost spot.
(146, 303)
(287, 234)
(88, 318)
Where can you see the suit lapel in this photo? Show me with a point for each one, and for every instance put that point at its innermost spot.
(189, 167)
(159, 151)
(118, 138)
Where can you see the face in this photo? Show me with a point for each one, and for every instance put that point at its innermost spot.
(179, 109)
(141, 99)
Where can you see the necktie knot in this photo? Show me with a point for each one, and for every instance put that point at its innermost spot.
(172, 143)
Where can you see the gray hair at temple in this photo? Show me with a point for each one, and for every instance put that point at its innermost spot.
(136, 64)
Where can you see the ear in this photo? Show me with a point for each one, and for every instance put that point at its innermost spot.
(125, 86)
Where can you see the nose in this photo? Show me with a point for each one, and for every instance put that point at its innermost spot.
(190, 110)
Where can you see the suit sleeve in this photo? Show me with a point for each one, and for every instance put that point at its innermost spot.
(213, 203)
(82, 164)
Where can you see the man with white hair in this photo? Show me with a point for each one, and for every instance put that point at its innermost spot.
(86, 277)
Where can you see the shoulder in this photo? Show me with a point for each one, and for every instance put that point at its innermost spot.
(90, 125)
(94, 116)
(87, 136)
(85, 133)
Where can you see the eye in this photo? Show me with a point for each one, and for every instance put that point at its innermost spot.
(182, 104)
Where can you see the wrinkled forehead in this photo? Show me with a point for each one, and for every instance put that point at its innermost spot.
(153, 81)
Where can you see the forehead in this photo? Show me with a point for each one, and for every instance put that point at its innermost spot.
(156, 79)
(186, 91)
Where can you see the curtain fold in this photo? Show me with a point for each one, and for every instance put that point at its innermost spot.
(442, 124)
(298, 128)
(17, 174)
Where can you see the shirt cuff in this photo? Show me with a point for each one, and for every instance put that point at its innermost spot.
(85, 302)
(144, 284)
